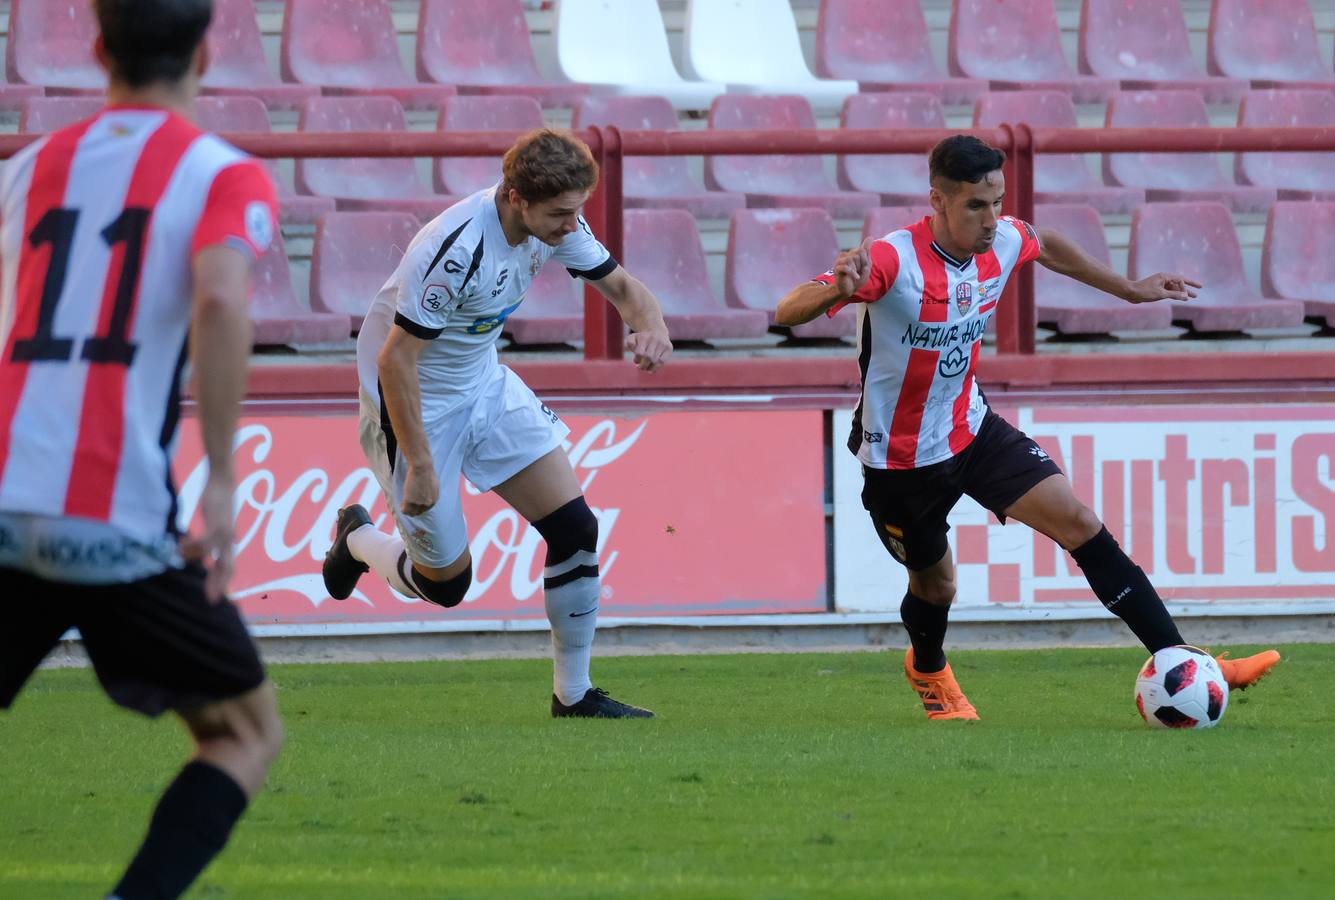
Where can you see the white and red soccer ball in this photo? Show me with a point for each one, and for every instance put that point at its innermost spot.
(1181, 687)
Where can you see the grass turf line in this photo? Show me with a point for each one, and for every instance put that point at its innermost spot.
(772, 776)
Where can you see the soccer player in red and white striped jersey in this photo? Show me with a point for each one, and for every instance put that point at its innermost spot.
(923, 431)
(127, 242)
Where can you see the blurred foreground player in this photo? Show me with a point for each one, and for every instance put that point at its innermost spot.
(127, 247)
(923, 431)
(436, 403)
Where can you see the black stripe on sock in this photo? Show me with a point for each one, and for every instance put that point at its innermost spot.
(574, 574)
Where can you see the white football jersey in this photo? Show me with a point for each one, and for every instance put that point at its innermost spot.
(458, 282)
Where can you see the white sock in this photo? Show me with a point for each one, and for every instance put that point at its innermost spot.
(572, 609)
(382, 552)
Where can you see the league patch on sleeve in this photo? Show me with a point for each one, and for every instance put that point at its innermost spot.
(435, 297)
(259, 224)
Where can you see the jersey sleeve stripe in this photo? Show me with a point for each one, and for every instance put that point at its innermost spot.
(598, 272)
(473, 266)
(50, 177)
(97, 453)
(418, 331)
(444, 248)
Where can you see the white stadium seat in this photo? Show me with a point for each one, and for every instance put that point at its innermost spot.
(768, 61)
(621, 46)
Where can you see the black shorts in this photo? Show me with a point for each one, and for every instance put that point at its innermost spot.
(909, 506)
(155, 644)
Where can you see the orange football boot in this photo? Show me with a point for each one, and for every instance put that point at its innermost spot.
(940, 692)
(1243, 673)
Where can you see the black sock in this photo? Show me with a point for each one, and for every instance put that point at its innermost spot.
(1123, 589)
(926, 625)
(189, 827)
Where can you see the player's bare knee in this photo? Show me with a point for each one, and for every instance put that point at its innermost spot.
(936, 589)
(1080, 526)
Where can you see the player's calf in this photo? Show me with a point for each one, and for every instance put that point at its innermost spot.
(571, 589)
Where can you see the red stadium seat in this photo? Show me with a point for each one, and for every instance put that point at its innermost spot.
(224, 115)
(1060, 177)
(1144, 45)
(1271, 43)
(655, 181)
(771, 251)
(468, 174)
(663, 251)
(349, 47)
(883, 45)
(1298, 176)
(277, 315)
(384, 184)
(552, 311)
(1198, 240)
(1073, 307)
(483, 47)
(237, 65)
(42, 115)
(1174, 176)
(354, 254)
(51, 45)
(1016, 45)
(880, 222)
(777, 180)
(899, 179)
(1296, 263)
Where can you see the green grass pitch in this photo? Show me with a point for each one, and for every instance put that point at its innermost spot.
(769, 776)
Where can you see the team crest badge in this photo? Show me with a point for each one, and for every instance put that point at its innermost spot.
(963, 297)
(534, 264)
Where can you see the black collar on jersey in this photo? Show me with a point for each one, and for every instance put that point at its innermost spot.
(957, 263)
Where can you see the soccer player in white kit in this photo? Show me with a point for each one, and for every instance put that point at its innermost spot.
(436, 403)
(127, 245)
(923, 430)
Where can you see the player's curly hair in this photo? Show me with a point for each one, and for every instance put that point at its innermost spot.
(152, 41)
(546, 163)
(963, 157)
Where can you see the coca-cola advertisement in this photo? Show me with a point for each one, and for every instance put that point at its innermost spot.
(699, 513)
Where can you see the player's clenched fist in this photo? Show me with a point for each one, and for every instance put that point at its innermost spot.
(650, 349)
(421, 490)
(852, 269)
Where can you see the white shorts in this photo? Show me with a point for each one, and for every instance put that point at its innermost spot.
(489, 440)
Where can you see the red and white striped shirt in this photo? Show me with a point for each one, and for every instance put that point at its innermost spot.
(101, 221)
(921, 318)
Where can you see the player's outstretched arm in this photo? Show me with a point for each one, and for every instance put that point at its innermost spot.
(811, 300)
(1065, 257)
(220, 335)
(397, 367)
(648, 342)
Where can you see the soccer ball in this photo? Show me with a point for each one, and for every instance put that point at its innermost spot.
(1181, 687)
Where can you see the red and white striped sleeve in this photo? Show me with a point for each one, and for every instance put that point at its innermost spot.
(884, 271)
(1030, 247)
(241, 210)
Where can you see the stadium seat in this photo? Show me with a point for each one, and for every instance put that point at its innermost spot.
(483, 47)
(655, 181)
(349, 47)
(42, 115)
(1073, 307)
(771, 251)
(1174, 176)
(663, 250)
(51, 45)
(1296, 263)
(777, 180)
(1016, 45)
(883, 46)
(384, 184)
(463, 175)
(621, 47)
(899, 178)
(1271, 43)
(237, 65)
(1198, 241)
(353, 255)
(768, 61)
(1059, 177)
(225, 115)
(276, 314)
(552, 311)
(1144, 45)
(879, 222)
(1297, 176)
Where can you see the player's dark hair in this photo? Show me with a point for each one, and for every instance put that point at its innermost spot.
(152, 41)
(546, 163)
(964, 157)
